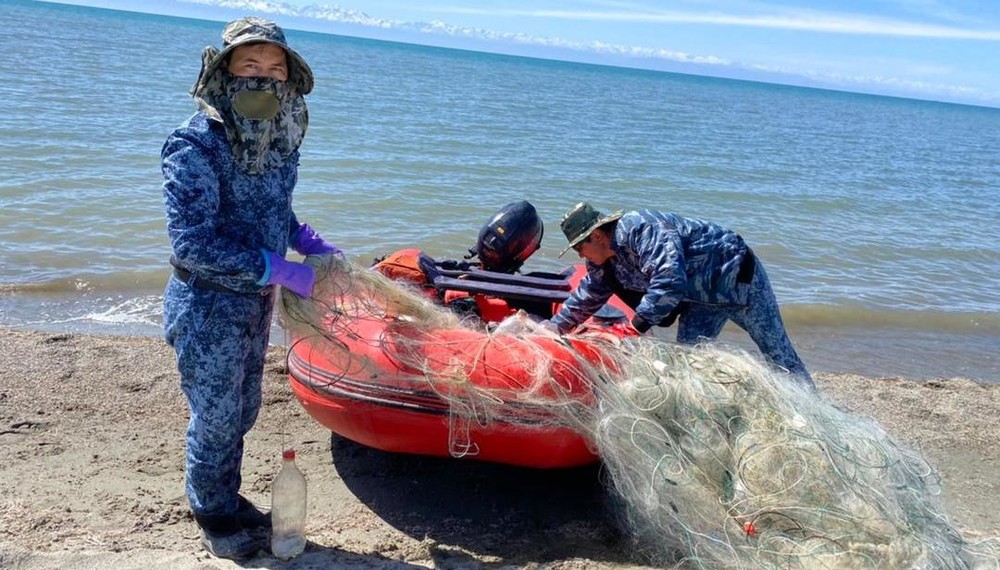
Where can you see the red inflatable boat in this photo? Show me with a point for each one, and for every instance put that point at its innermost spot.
(505, 405)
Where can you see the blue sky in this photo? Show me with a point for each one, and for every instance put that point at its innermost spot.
(924, 49)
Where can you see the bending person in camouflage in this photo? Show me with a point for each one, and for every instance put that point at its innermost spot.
(229, 172)
(668, 267)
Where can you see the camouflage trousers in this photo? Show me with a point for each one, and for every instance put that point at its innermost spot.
(760, 318)
(220, 340)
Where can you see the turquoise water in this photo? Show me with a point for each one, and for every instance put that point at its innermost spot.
(877, 217)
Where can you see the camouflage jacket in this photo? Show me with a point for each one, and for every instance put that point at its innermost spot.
(218, 217)
(667, 257)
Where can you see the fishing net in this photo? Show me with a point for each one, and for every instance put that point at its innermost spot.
(724, 463)
(715, 460)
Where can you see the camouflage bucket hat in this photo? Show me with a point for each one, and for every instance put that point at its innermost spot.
(581, 221)
(251, 30)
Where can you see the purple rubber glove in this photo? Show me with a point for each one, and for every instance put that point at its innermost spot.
(298, 278)
(308, 242)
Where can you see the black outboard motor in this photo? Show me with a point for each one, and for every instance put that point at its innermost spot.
(509, 238)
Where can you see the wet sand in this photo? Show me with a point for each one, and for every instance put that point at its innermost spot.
(91, 472)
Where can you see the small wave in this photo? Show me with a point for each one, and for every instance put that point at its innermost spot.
(137, 311)
(119, 281)
(53, 286)
(133, 313)
(853, 316)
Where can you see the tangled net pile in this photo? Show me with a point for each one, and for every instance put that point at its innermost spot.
(718, 462)
(730, 465)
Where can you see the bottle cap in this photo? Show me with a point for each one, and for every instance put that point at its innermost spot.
(288, 454)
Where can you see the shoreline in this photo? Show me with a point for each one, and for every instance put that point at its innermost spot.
(875, 352)
(91, 468)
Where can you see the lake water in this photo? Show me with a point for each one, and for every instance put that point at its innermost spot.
(876, 217)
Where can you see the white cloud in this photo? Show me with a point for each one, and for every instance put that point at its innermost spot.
(437, 27)
(798, 20)
(810, 21)
(262, 6)
(896, 84)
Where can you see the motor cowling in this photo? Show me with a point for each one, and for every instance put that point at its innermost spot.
(510, 237)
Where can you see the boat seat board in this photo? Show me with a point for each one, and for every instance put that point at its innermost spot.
(508, 278)
(503, 290)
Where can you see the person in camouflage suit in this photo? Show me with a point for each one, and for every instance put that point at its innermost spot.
(667, 267)
(229, 172)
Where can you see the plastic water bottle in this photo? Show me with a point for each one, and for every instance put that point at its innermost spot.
(288, 509)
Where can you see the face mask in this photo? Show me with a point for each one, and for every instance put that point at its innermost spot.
(256, 105)
(266, 124)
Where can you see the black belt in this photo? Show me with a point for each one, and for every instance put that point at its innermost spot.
(747, 267)
(191, 280)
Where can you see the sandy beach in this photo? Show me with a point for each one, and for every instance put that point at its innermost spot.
(91, 472)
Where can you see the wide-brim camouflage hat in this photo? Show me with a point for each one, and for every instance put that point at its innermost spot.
(252, 30)
(581, 221)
